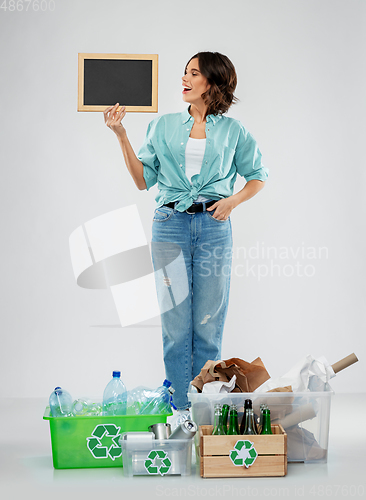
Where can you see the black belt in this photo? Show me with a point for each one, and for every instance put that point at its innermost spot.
(193, 209)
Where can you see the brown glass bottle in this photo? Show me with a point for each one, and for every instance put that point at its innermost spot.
(247, 406)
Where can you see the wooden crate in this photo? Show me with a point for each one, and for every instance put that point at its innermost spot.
(215, 454)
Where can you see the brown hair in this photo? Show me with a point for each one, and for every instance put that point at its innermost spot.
(221, 75)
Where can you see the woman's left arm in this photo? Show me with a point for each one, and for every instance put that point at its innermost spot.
(225, 206)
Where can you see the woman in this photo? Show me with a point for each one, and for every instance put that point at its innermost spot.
(194, 156)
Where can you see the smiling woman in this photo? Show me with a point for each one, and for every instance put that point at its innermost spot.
(216, 76)
(195, 177)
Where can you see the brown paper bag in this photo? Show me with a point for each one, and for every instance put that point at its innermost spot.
(249, 376)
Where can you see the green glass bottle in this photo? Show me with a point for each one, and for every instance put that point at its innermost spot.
(225, 414)
(266, 427)
(250, 427)
(233, 421)
(218, 428)
(263, 406)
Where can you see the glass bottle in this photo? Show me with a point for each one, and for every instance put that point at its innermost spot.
(218, 428)
(225, 414)
(233, 421)
(266, 427)
(250, 427)
(247, 406)
(262, 407)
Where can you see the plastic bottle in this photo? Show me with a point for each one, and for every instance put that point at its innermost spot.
(60, 403)
(160, 402)
(79, 407)
(86, 407)
(136, 398)
(95, 410)
(115, 396)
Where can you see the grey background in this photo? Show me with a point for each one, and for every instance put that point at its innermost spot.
(302, 77)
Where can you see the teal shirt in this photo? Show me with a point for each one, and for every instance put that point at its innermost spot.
(230, 150)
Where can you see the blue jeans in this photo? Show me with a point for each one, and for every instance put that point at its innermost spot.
(192, 257)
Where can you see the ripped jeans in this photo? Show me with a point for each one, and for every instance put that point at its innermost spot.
(192, 257)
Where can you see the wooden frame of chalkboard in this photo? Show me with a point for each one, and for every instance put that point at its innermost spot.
(130, 79)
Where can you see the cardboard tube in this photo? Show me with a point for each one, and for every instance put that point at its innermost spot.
(303, 413)
(343, 363)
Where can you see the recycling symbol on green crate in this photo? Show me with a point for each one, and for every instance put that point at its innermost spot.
(243, 453)
(103, 442)
(157, 462)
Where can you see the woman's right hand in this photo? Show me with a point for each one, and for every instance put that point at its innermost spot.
(113, 119)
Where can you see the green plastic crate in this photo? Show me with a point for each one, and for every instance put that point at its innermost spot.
(88, 442)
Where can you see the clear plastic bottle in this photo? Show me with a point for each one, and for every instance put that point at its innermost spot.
(60, 403)
(86, 407)
(160, 402)
(115, 396)
(136, 398)
(80, 407)
(95, 410)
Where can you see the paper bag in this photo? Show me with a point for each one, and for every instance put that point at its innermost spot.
(249, 376)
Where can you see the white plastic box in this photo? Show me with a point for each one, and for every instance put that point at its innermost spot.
(303, 415)
(157, 457)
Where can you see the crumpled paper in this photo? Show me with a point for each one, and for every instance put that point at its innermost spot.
(219, 387)
(307, 374)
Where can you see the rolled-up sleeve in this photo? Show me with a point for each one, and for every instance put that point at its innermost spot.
(248, 158)
(147, 155)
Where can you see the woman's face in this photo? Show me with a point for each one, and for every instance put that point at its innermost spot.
(194, 83)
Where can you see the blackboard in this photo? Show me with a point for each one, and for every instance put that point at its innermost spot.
(130, 79)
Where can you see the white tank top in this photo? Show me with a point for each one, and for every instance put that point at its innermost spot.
(195, 151)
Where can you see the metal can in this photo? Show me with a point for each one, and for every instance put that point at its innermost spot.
(186, 430)
(161, 430)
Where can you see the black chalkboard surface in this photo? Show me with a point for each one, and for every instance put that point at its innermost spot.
(130, 79)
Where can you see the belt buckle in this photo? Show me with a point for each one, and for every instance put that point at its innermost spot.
(190, 213)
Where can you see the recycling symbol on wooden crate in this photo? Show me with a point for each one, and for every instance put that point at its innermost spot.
(103, 442)
(157, 462)
(243, 453)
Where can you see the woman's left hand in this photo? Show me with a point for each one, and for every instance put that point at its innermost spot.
(222, 208)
